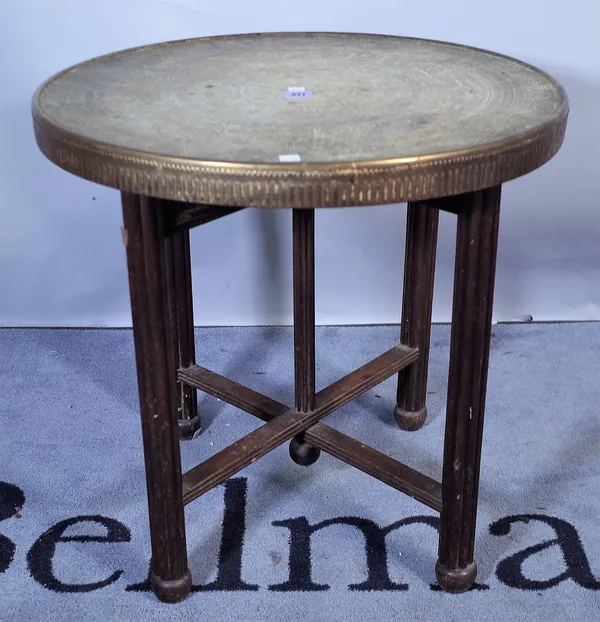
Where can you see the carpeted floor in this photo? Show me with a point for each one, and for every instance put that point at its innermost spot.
(280, 541)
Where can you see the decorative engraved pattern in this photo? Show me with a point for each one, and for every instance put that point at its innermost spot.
(529, 108)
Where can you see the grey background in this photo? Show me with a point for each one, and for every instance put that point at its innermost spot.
(61, 258)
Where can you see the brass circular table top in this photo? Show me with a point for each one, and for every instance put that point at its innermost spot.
(300, 119)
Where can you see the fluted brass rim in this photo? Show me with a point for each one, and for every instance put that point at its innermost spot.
(300, 185)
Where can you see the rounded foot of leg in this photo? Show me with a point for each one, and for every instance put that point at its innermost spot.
(189, 428)
(303, 453)
(172, 590)
(456, 580)
(410, 420)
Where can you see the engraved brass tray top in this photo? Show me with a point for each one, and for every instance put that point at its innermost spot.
(300, 119)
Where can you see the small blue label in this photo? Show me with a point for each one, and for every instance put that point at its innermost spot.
(297, 94)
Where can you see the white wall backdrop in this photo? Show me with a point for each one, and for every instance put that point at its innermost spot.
(61, 258)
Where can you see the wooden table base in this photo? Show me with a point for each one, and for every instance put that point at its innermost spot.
(157, 240)
(404, 120)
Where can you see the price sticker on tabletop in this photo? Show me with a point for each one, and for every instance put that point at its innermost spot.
(297, 92)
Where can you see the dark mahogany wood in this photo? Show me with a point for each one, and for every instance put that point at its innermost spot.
(179, 218)
(233, 393)
(181, 307)
(417, 302)
(240, 454)
(351, 451)
(377, 464)
(248, 449)
(186, 216)
(160, 282)
(330, 398)
(365, 377)
(145, 245)
(477, 237)
(303, 236)
(303, 241)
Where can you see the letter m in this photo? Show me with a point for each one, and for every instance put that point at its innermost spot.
(378, 579)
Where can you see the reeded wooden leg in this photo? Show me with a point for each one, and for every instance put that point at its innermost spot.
(417, 302)
(144, 236)
(303, 222)
(178, 262)
(469, 354)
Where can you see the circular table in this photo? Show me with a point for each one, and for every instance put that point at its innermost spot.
(193, 130)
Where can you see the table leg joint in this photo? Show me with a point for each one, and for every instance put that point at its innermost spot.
(284, 422)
